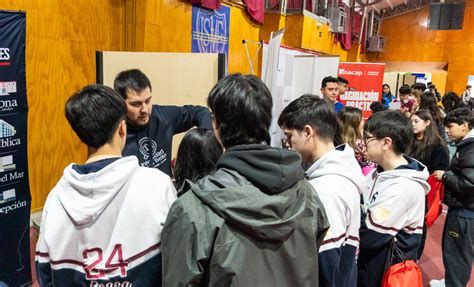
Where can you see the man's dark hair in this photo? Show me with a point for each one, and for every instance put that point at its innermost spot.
(342, 80)
(460, 116)
(404, 90)
(451, 101)
(134, 80)
(468, 87)
(327, 80)
(376, 107)
(392, 124)
(311, 110)
(94, 113)
(419, 86)
(242, 107)
(198, 153)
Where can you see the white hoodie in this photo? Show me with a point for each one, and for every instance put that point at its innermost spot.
(338, 180)
(94, 224)
(395, 200)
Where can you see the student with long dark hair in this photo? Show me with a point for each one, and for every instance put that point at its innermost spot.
(429, 102)
(351, 122)
(387, 96)
(427, 146)
(197, 156)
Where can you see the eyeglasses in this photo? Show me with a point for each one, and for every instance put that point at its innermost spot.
(368, 139)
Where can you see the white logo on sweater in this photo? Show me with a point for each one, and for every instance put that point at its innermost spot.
(152, 157)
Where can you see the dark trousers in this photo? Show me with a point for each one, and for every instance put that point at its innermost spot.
(425, 231)
(458, 249)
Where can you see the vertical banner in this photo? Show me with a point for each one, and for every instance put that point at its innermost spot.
(365, 85)
(271, 56)
(15, 196)
(210, 31)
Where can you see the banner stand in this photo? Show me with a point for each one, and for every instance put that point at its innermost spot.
(15, 199)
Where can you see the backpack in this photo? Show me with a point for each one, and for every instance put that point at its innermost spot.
(404, 274)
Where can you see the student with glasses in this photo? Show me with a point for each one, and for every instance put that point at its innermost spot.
(393, 198)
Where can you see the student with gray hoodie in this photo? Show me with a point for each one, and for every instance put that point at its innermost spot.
(310, 126)
(393, 199)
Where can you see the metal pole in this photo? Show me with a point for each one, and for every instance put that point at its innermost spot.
(362, 24)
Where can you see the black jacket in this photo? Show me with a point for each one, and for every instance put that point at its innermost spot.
(459, 179)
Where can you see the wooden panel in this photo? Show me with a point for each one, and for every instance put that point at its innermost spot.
(317, 36)
(294, 27)
(408, 39)
(167, 26)
(62, 37)
(243, 28)
(439, 80)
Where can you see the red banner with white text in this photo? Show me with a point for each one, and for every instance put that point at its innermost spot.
(365, 85)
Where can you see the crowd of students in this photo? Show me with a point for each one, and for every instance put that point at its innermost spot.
(246, 213)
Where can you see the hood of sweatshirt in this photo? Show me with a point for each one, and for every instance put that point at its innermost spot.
(85, 196)
(339, 161)
(257, 189)
(414, 171)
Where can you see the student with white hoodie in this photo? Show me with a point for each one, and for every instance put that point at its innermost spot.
(102, 222)
(393, 199)
(310, 125)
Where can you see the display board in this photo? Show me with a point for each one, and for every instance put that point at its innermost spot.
(176, 78)
(397, 79)
(365, 85)
(298, 72)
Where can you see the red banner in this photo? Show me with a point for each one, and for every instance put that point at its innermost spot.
(365, 85)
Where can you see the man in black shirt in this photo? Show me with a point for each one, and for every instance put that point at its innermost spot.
(150, 128)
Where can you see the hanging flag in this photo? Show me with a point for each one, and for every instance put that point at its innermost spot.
(15, 196)
(256, 9)
(209, 4)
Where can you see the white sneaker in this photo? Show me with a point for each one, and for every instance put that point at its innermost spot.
(437, 283)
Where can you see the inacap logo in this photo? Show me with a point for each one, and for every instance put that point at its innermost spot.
(352, 73)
